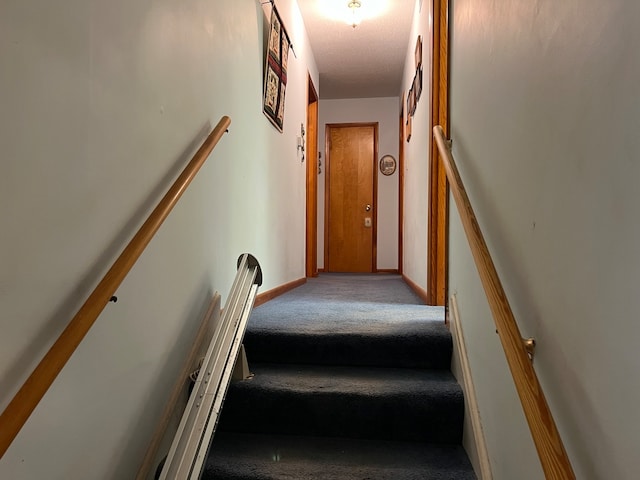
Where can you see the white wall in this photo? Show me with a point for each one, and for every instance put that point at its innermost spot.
(102, 103)
(545, 113)
(416, 156)
(386, 112)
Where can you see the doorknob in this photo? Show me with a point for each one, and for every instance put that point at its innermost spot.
(367, 208)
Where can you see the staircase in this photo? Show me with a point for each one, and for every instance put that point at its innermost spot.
(351, 382)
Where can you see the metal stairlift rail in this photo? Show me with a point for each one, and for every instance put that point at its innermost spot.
(553, 456)
(192, 441)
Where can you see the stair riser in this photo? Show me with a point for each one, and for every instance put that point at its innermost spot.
(435, 419)
(260, 457)
(409, 352)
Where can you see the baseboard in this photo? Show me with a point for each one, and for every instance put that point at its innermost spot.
(179, 393)
(473, 437)
(379, 270)
(419, 291)
(264, 297)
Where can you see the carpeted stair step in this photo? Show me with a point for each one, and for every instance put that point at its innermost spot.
(358, 402)
(279, 457)
(353, 333)
(396, 343)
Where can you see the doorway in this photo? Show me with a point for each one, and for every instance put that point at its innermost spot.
(350, 194)
(311, 153)
(437, 221)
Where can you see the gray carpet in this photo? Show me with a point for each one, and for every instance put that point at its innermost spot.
(280, 457)
(344, 302)
(339, 319)
(351, 382)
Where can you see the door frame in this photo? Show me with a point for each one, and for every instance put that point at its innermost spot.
(311, 154)
(438, 218)
(401, 188)
(327, 180)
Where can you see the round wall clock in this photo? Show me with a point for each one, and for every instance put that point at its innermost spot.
(388, 165)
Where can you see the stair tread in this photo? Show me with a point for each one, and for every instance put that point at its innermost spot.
(317, 379)
(370, 326)
(359, 402)
(279, 457)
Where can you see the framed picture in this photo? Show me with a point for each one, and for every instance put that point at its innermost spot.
(414, 87)
(275, 78)
(417, 87)
(403, 117)
(387, 165)
(411, 100)
(416, 84)
(408, 122)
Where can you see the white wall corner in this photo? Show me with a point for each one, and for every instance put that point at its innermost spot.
(473, 439)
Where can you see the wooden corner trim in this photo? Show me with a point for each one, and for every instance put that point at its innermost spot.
(264, 297)
(422, 293)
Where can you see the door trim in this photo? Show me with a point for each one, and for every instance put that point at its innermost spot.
(401, 188)
(438, 219)
(311, 154)
(327, 160)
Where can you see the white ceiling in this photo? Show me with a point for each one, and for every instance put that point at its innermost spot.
(366, 61)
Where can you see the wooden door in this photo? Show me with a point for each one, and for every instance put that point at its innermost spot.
(350, 193)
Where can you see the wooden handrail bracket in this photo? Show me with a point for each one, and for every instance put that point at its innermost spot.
(32, 391)
(553, 457)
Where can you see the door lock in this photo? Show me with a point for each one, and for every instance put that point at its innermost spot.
(367, 208)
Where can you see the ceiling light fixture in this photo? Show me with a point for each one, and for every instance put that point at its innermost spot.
(355, 17)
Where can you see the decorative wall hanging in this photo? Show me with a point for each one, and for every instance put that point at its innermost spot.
(412, 98)
(407, 125)
(403, 117)
(388, 165)
(275, 71)
(417, 79)
(417, 83)
(415, 90)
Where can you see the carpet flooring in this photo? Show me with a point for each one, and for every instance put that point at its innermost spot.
(351, 381)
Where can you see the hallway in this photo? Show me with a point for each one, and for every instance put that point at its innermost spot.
(103, 102)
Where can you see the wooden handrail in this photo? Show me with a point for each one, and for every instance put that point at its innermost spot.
(553, 457)
(32, 391)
